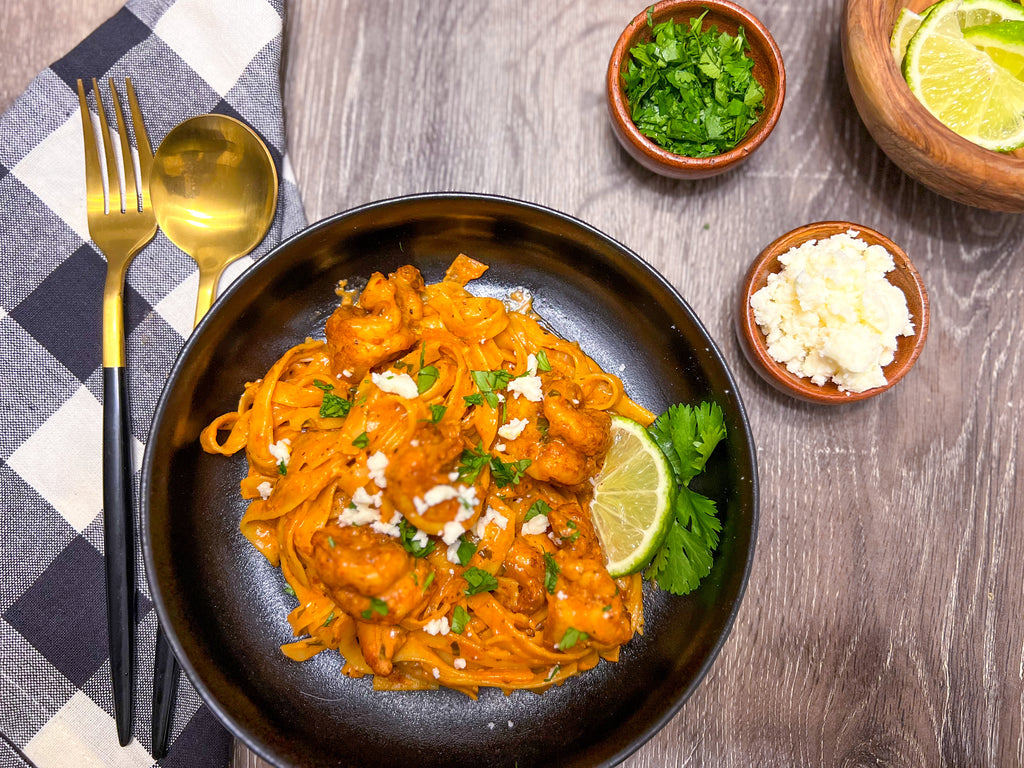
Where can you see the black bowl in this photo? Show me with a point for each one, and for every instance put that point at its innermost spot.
(222, 605)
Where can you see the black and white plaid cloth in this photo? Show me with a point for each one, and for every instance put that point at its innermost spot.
(185, 57)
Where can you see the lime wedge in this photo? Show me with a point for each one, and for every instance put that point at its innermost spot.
(1003, 41)
(632, 503)
(906, 25)
(961, 85)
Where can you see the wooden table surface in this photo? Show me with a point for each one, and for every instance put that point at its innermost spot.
(883, 620)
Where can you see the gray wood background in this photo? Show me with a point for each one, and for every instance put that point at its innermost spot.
(884, 621)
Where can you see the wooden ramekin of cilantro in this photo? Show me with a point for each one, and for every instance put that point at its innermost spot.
(694, 87)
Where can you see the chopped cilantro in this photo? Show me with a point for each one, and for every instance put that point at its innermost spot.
(690, 91)
(475, 399)
(282, 468)
(465, 550)
(330, 618)
(460, 618)
(325, 386)
(426, 378)
(539, 507)
(551, 571)
(571, 637)
(479, 581)
(471, 463)
(288, 590)
(554, 671)
(406, 532)
(428, 581)
(687, 436)
(334, 407)
(330, 541)
(542, 426)
(489, 382)
(542, 361)
(437, 412)
(376, 606)
(362, 441)
(507, 473)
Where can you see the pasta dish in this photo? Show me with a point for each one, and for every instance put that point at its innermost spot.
(422, 478)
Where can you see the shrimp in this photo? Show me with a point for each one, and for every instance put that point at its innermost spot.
(424, 463)
(585, 429)
(367, 573)
(381, 328)
(523, 592)
(587, 600)
(378, 644)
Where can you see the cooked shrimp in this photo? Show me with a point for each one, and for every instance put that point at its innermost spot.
(367, 573)
(425, 462)
(378, 644)
(587, 600)
(524, 567)
(381, 328)
(585, 429)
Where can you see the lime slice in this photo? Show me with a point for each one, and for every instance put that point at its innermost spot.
(906, 25)
(632, 503)
(1003, 41)
(960, 84)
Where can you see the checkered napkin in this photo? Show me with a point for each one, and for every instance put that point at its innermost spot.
(185, 57)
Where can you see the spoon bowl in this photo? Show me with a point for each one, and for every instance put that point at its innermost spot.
(214, 190)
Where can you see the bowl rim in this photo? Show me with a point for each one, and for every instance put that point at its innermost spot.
(919, 144)
(219, 707)
(619, 107)
(752, 338)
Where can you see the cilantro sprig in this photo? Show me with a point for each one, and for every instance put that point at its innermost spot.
(690, 91)
(687, 436)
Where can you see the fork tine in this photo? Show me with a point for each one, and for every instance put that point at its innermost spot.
(141, 142)
(113, 183)
(93, 174)
(131, 194)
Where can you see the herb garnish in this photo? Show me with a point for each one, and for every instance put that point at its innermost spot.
(692, 92)
(489, 381)
(460, 618)
(542, 361)
(479, 581)
(465, 551)
(471, 463)
(362, 441)
(571, 637)
(551, 571)
(687, 436)
(539, 507)
(507, 473)
(437, 412)
(376, 606)
(406, 532)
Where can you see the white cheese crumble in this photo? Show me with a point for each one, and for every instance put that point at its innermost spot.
(420, 538)
(389, 528)
(561, 595)
(531, 364)
(451, 532)
(281, 450)
(499, 447)
(536, 525)
(513, 429)
(365, 508)
(265, 488)
(376, 463)
(459, 663)
(527, 386)
(400, 384)
(491, 515)
(436, 673)
(831, 314)
(437, 626)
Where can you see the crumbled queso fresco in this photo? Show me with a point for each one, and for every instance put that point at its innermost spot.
(831, 314)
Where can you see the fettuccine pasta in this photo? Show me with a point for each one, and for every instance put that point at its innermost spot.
(421, 477)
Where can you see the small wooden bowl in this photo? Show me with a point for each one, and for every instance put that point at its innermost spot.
(907, 132)
(752, 340)
(768, 69)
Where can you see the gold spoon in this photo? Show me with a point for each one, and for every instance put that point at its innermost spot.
(214, 190)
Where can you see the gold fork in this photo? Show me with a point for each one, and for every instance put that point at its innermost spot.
(121, 222)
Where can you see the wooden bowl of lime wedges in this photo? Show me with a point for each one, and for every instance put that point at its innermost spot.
(940, 87)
